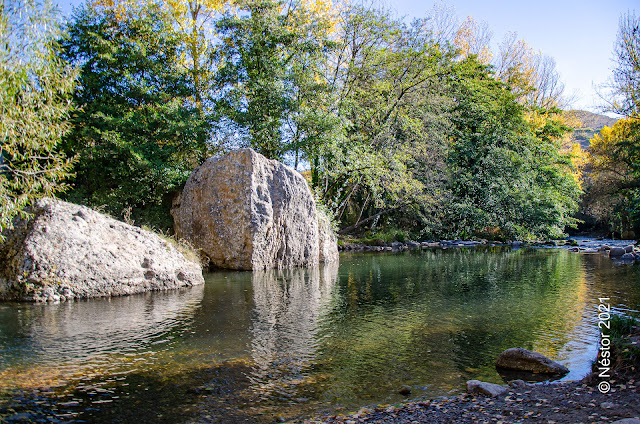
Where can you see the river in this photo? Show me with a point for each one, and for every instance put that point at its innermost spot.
(283, 345)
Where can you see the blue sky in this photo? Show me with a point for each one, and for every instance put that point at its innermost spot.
(578, 34)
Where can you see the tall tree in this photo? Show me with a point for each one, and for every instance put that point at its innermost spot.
(137, 134)
(388, 78)
(268, 68)
(625, 83)
(195, 21)
(613, 194)
(35, 86)
(506, 179)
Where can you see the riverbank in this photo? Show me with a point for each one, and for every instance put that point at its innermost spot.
(576, 244)
(571, 402)
(585, 401)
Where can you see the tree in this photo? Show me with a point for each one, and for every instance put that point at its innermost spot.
(625, 83)
(614, 185)
(388, 79)
(474, 38)
(506, 179)
(531, 75)
(35, 86)
(136, 133)
(270, 73)
(613, 194)
(195, 20)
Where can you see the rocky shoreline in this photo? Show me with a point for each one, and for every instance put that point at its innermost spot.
(614, 398)
(568, 402)
(625, 250)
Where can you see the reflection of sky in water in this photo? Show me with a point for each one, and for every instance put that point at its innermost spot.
(323, 337)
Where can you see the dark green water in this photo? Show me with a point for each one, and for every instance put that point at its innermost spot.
(263, 346)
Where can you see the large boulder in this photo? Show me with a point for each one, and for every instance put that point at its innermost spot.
(520, 359)
(247, 212)
(67, 251)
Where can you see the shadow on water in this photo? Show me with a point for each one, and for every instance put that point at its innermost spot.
(210, 394)
(286, 344)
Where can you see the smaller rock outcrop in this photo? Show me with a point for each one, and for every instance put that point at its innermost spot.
(66, 251)
(521, 359)
(482, 388)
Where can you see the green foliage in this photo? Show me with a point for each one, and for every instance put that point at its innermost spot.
(34, 103)
(613, 192)
(400, 133)
(506, 176)
(268, 77)
(136, 134)
(387, 80)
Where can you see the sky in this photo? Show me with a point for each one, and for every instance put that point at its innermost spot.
(578, 34)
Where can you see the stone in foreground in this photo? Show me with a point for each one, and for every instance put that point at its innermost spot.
(482, 388)
(68, 251)
(247, 212)
(521, 359)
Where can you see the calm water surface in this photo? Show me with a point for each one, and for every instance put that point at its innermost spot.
(262, 346)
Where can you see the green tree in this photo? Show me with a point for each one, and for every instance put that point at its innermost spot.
(389, 83)
(613, 190)
(136, 133)
(507, 177)
(269, 75)
(35, 87)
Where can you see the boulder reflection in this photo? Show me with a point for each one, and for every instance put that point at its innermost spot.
(70, 339)
(288, 306)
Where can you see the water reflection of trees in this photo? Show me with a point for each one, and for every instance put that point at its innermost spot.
(436, 318)
(288, 306)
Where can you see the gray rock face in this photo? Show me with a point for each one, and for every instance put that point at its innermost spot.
(327, 240)
(68, 251)
(247, 212)
(521, 359)
(487, 389)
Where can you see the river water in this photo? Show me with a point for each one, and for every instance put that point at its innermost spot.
(284, 345)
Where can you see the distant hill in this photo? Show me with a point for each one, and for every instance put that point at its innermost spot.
(592, 123)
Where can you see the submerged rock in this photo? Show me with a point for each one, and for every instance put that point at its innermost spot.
(248, 212)
(68, 251)
(521, 359)
(616, 252)
(483, 388)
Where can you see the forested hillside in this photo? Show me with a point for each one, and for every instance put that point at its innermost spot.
(590, 124)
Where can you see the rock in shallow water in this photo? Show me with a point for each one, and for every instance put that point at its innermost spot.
(68, 251)
(521, 359)
(248, 212)
(616, 252)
